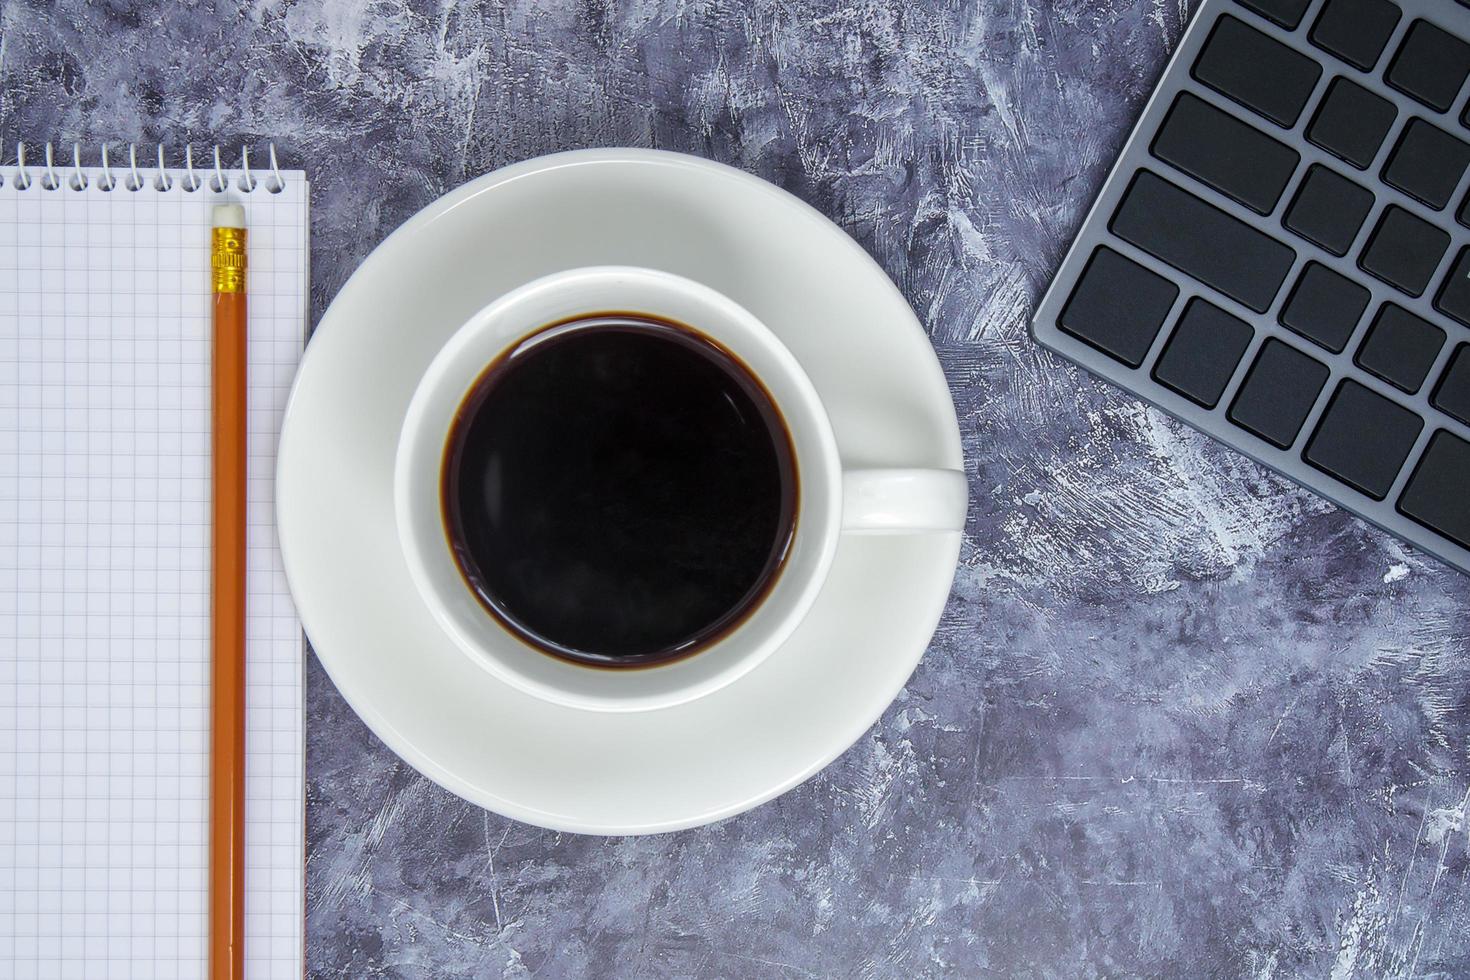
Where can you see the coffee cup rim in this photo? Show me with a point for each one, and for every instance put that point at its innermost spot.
(497, 327)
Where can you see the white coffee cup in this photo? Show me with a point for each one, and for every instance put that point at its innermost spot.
(832, 501)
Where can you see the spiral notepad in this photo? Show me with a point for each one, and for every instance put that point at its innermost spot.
(104, 569)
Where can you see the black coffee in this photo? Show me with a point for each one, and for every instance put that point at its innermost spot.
(619, 490)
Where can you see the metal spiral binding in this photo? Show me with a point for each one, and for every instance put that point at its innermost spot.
(53, 179)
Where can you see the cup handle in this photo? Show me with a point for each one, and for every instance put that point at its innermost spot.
(895, 501)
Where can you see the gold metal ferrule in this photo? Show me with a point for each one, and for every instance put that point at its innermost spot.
(227, 260)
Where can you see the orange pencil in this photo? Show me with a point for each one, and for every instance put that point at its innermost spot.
(227, 630)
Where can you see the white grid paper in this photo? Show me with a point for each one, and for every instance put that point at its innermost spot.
(104, 581)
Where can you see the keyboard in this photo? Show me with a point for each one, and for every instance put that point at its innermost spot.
(1281, 256)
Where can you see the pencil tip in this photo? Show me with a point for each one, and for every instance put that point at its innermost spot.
(229, 216)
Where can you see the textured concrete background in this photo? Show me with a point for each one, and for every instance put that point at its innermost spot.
(1180, 719)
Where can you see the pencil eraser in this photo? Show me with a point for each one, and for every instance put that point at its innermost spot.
(229, 216)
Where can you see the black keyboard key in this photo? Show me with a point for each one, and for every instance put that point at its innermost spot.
(1400, 348)
(1404, 250)
(1118, 306)
(1355, 30)
(1435, 494)
(1325, 307)
(1287, 13)
(1237, 160)
(1278, 394)
(1363, 439)
(1329, 209)
(1452, 394)
(1202, 353)
(1431, 65)
(1463, 216)
(1200, 239)
(1257, 71)
(1427, 163)
(1351, 122)
(1454, 295)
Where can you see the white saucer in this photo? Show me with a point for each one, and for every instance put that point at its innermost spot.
(559, 767)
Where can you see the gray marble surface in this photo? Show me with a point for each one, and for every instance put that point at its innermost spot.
(1181, 719)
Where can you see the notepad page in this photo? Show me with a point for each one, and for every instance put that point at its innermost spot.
(104, 580)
